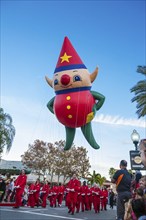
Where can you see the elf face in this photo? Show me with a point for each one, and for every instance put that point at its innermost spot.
(68, 79)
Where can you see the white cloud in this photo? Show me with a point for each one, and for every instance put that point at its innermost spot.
(117, 120)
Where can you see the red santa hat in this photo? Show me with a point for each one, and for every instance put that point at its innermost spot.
(68, 58)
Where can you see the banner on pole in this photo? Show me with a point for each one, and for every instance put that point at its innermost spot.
(135, 159)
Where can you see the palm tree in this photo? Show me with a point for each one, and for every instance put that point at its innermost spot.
(111, 172)
(100, 179)
(95, 178)
(7, 131)
(92, 177)
(140, 93)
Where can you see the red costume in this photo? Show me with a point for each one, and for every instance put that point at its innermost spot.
(66, 196)
(79, 199)
(20, 183)
(54, 195)
(89, 200)
(84, 198)
(104, 198)
(73, 186)
(44, 194)
(37, 192)
(96, 198)
(50, 197)
(60, 195)
(31, 199)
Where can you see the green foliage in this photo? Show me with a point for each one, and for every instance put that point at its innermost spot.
(7, 131)
(96, 178)
(51, 159)
(140, 93)
(112, 172)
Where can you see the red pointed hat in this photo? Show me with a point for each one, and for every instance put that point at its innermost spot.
(68, 58)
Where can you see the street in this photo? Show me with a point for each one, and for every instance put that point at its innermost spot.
(48, 213)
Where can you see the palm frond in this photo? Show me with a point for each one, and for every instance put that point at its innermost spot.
(140, 94)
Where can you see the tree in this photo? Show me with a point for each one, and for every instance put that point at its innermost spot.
(80, 163)
(140, 93)
(112, 172)
(47, 158)
(7, 131)
(100, 179)
(66, 163)
(36, 157)
(95, 178)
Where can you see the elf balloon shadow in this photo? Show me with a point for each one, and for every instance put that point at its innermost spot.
(74, 105)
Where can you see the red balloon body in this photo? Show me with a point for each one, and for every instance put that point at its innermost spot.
(74, 109)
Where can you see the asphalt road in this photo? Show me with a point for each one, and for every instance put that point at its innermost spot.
(48, 213)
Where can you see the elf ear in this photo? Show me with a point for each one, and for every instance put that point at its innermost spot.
(49, 81)
(94, 75)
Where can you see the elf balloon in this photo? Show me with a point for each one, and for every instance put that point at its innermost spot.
(74, 105)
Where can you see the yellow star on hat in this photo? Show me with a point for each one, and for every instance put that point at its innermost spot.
(65, 57)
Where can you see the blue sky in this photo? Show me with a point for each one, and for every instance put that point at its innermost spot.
(107, 34)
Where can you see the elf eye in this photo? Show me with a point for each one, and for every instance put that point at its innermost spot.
(76, 78)
(55, 82)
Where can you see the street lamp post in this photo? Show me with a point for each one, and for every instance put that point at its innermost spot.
(135, 138)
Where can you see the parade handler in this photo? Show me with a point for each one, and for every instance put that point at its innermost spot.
(72, 187)
(19, 184)
(122, 178)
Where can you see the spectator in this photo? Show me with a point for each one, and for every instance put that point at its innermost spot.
(111, 198)
(10, 190)
(139, 193)
(139, 208)
(142, 148)
(122, 178)
(129, 214)
(142, 183)
(12, 196)
(2, 188)
(135, 182)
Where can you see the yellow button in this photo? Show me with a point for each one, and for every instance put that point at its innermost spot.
(69, 116)
(68, 98)
(68, 107)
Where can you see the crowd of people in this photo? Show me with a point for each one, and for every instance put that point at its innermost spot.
(131, 194)
(76, 195)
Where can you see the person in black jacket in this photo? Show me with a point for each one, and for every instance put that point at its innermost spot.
(2, 188)
(122, 178)
(111, 198)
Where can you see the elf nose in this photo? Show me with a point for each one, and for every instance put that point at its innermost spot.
(65, 79)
